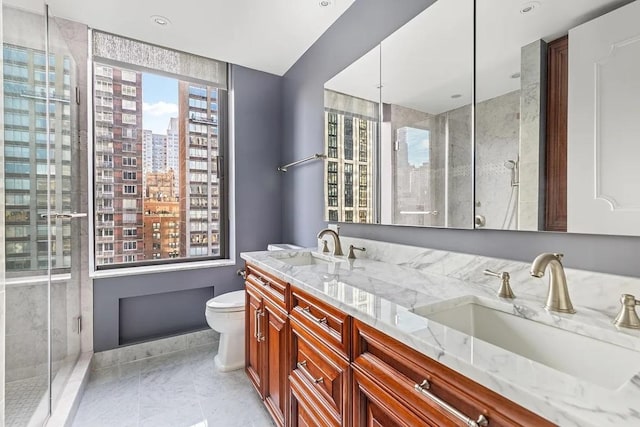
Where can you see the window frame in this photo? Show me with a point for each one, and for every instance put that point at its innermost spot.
(226, 206)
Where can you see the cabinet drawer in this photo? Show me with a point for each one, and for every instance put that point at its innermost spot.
(398, 369)
(373, 406)
(330, 325)
(321, 370)
(306, 410)
(273, 288)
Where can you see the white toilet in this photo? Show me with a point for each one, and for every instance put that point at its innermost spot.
(225, 314)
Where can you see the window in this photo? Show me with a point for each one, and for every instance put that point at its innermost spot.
(130, 232)
(351, 134)
(128, 90)
(153, 211)
(129, 189)
(129, 161)
(348, 138)
(128, 119)
(332, 184)
(129, 218)
(129, 133)
(102, 86)
(348, 185)
(104, 116)
(104, 71)
(130, 204)
(129, 76)
(105, 232)
(129, 246)
(332, 132)
(128, 105)
(363, 141)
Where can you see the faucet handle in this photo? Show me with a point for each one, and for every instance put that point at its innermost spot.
(505, 290)
(627, 317)
(352, 255)
(325, 247)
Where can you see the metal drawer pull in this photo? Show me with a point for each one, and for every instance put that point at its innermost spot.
(302, 365)
(260, 280)
(255, 324)
(307, 312)
(258, 332)
(423, 388)
(261, 336)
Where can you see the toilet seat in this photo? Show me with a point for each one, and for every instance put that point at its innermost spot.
(227, 302)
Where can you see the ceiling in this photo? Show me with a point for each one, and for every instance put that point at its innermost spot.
(264, 35)
(429, 59)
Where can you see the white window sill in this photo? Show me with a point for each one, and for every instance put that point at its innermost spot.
(161, 268)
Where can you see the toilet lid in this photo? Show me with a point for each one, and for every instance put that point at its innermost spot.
(228, 301)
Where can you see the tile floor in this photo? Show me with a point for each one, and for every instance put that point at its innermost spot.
(22, 399)
(179, 389)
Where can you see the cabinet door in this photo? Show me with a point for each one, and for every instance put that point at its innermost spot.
(275, 373)
(253, 337)
(373, 407)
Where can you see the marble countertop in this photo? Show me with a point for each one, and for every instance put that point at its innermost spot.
(384, 293)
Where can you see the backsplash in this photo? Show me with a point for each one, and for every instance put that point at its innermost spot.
(589, 291)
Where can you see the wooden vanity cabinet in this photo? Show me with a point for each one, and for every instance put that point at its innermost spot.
(316, 366)
(384, 367)
(266, 340)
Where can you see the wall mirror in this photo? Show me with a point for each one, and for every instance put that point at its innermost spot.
(558, 101)
(398, 126)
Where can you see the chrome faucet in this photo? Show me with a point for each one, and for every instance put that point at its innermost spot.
(505, 288)
(352, 254)
(627, 317)
(558, 296)
(337, 247)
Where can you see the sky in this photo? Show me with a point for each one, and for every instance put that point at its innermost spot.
(159, 102)
(417, 141)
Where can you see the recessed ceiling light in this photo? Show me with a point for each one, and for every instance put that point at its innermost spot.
(515, 76)
(456, 96)
(324, 3)
(529, 7)
(160, 20)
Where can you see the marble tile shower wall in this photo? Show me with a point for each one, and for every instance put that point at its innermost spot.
(497, 139)
(457, 123)
(26, 329)
(532, 72)
(460, 200)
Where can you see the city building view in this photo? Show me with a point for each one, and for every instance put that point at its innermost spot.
(350, 136)
(25, 168)
(157, 184)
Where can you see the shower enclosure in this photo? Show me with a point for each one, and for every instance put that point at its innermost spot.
(43, 180)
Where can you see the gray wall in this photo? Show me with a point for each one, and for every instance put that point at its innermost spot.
(361, 27)
(258, 114)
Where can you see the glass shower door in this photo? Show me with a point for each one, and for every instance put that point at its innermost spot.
(42, 244)
(68, 202)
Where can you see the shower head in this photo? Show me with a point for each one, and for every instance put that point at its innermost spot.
(510, 164)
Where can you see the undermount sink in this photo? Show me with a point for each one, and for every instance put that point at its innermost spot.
(598, 362)
(304, 258)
